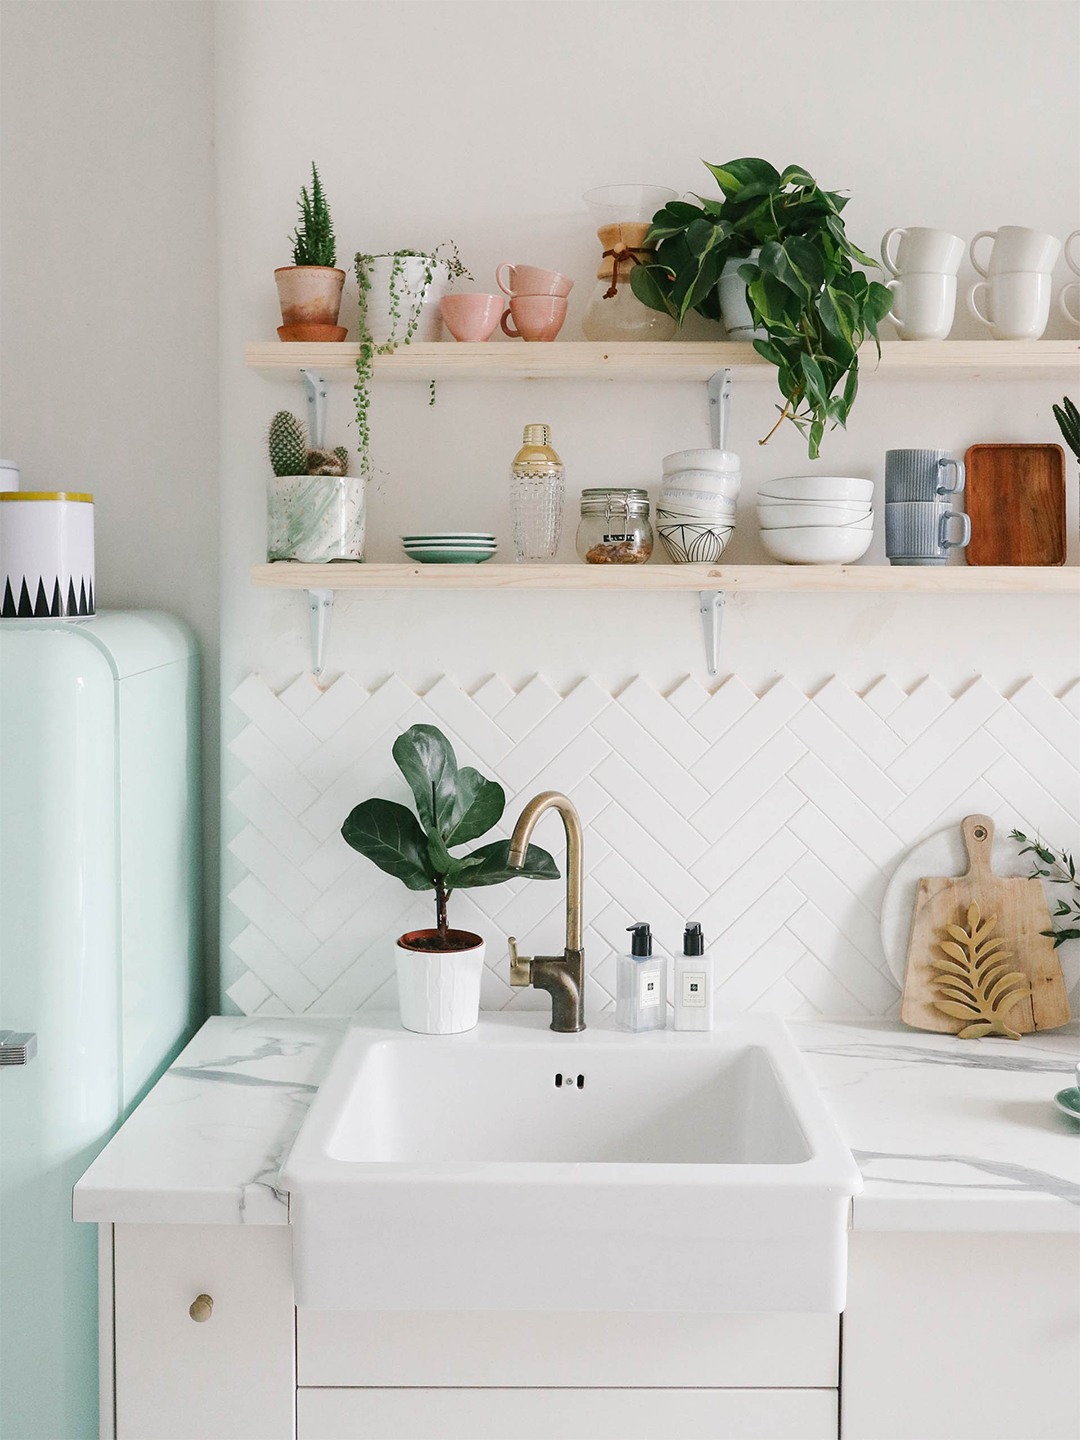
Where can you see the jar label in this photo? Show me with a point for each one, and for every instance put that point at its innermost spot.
(649, 987)
(619, 539)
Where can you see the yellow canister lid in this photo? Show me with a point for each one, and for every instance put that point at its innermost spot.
(46, 495)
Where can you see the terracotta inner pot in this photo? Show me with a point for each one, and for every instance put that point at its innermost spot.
(431, 940)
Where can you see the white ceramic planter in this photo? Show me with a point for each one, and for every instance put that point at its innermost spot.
(46, 554)
(734, 310)
(439, 993)
(409, 288)
(315, 518)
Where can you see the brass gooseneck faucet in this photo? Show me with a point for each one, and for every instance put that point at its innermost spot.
(562, 976)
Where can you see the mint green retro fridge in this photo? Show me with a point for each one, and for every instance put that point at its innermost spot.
(99, 961)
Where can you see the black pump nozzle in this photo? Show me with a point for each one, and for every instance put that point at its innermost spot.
(641, 944)
(693, 941)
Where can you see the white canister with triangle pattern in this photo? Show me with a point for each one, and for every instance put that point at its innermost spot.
(46, 554)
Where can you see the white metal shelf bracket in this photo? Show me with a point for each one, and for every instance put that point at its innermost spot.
(317, 394)
(718, 389)
(320, 609)
(712, 618)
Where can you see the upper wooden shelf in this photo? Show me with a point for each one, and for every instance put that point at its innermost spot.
(675, 360)
(854, 579)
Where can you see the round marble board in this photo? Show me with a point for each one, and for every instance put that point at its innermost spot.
(946, 854)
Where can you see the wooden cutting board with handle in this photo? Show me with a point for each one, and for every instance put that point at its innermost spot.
(953, 947)
(1015, 499)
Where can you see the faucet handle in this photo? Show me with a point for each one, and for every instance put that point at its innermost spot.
(520, 965)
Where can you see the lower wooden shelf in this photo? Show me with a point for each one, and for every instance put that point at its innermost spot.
(856, 579)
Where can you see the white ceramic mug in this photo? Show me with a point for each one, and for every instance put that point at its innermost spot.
(922, 249)
(1017, 248)
(924, 305)
(1068, 290)
(1073, 265)
(1019, 304)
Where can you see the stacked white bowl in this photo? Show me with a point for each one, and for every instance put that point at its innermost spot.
(816, 519)
(695, 512)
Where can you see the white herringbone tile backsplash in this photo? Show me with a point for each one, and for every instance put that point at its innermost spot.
(775, 820)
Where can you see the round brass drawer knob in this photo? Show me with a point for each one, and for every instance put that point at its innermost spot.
(201, 1308)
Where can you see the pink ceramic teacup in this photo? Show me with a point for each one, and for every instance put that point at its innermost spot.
(537, 317)
(531, 280)
(472, 317)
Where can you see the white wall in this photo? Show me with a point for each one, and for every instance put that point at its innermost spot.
(108, 372)
(483, 123)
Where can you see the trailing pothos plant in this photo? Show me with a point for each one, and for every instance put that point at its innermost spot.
(801, 285)
(405, 308)
(453, 807)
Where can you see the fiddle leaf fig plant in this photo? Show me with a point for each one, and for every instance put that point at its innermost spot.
(801, 285)
(453, 807)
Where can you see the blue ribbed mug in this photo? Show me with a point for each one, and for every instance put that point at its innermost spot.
(921, 475)
(917, 532)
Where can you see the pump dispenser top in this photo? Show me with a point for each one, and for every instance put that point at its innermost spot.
(693, 940)
(641, 944)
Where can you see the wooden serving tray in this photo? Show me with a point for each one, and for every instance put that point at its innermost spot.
(1015, 496)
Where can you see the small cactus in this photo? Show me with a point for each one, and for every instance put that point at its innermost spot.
(288, 445)
(1068, 418)
(343, 455)
(327, 462)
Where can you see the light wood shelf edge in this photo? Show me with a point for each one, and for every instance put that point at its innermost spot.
(656, 361)
(854, 579)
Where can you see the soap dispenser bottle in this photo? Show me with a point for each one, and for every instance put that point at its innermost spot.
(693, 998)
(641, 984)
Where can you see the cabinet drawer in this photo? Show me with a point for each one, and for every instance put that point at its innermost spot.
(431, 1348)
(567, 1414)
(230, 1377)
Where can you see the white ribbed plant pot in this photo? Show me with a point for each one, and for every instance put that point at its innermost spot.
(734, 308)
(410, 289)
(439, 993)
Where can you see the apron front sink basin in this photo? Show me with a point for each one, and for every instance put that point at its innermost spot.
(510, 1168)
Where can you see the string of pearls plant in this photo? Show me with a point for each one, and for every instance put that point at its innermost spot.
(405, 306)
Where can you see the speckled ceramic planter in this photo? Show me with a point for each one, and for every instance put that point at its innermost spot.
(315, 518)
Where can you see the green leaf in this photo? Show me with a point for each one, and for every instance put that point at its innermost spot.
(796, 175)
(840, 314)
(390, 835)
(480, 804)
(736, 174)
(652, 286)
(817, 430)
(426, 758)
(814, 380)
(494, 866)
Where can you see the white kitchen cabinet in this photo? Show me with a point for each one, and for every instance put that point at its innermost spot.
(962, 1337)
(519, 1350)
(231, 1377)
(576, 1414)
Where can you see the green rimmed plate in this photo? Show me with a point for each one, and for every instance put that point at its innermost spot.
(1069, 1101)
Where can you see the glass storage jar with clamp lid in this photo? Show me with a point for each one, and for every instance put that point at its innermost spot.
(614, 528)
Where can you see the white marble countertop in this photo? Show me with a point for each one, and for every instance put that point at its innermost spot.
(949, 1134)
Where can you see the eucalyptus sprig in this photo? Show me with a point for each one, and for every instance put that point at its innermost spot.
(313, 239)
(365, 359)
(1059, 868)
(802, 288)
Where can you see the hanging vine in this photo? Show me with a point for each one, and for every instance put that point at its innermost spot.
(399, 297)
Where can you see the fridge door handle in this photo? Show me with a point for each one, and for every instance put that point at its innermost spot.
(17, 1047)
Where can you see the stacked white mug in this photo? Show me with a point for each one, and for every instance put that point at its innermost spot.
(1017, 281)
(924, 284)
(1074, 266)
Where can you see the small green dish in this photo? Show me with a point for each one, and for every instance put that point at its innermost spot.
(448, 555)
(1069, 1101)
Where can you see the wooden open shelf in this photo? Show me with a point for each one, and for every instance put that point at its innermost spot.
(851, 579)
(657, 361)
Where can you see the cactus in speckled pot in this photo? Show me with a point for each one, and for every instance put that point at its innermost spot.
(288, 445)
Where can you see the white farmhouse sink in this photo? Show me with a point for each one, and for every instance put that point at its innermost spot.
(511, 1168)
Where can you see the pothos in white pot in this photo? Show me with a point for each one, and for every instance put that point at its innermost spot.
(439, 970)
(400, 294)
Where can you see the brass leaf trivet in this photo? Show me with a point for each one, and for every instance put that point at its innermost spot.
(975, 983)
